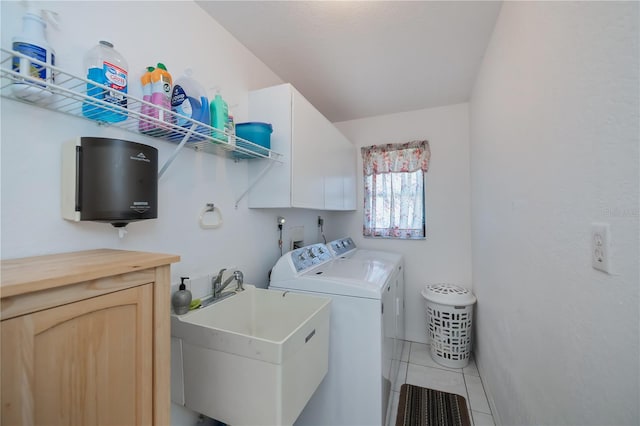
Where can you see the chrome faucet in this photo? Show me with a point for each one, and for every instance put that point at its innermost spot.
(217, 284)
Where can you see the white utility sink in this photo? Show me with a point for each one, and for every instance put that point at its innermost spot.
(254, 358)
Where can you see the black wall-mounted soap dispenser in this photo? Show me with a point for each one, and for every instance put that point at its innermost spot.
(109, 180)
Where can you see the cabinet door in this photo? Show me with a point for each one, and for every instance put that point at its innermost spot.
(333, 180)
(308, 159)
(273, 189)
(84, 363)
(340, 174)
(349, 167)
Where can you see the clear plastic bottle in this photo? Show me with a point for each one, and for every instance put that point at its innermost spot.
(107, 67)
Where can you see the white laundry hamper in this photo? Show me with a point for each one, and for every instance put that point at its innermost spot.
(449, 323)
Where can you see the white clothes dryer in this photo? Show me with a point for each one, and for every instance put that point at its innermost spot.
(356, 389)
(345, 248)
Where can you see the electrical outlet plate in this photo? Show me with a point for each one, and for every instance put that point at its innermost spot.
(600, 247)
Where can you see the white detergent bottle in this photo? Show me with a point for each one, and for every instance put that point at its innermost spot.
(32, 42)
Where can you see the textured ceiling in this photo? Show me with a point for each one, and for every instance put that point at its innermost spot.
(356, 59)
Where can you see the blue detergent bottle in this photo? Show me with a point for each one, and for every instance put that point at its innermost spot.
(188, 99)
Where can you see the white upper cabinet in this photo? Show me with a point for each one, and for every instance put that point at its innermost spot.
(318, 165)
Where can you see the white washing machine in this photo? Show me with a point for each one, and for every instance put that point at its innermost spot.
(357, 386)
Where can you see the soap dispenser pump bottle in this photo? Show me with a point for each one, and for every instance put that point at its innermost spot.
(181, 299)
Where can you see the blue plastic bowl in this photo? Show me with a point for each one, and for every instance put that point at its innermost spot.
(257, 133)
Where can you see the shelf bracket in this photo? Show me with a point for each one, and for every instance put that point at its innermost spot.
(254, 181)
(175, 153)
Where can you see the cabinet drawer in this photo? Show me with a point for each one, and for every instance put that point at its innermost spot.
(39, 300)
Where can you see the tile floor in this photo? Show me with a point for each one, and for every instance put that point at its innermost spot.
(418, 368)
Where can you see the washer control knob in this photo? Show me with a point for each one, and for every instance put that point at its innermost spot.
(312, 255)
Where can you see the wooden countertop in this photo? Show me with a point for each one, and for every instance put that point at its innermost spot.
(30, 274)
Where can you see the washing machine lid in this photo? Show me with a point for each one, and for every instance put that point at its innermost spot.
(377, 255)
(368, 273)
(326, 279)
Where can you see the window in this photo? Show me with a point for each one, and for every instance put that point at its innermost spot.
(394, 176)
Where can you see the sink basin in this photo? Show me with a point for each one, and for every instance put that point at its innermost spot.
(254, 358)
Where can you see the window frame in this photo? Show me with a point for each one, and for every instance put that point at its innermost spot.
(394, 160)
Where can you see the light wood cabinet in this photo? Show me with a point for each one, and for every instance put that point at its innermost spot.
(85, 339)
(319, 163)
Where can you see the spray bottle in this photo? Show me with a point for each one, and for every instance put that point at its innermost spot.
(145, 125)
(33, 43)
(161, 84)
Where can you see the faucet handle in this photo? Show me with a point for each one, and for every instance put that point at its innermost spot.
(239, 276)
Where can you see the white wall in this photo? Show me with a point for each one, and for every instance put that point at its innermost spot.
(180, 35)
(445, 255)
(554, 148)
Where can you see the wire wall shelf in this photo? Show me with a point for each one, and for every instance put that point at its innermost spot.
(77, 96)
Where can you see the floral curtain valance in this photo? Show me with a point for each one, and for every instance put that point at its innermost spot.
(398, 157)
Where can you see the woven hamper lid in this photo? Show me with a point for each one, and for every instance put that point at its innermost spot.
(448, 294)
